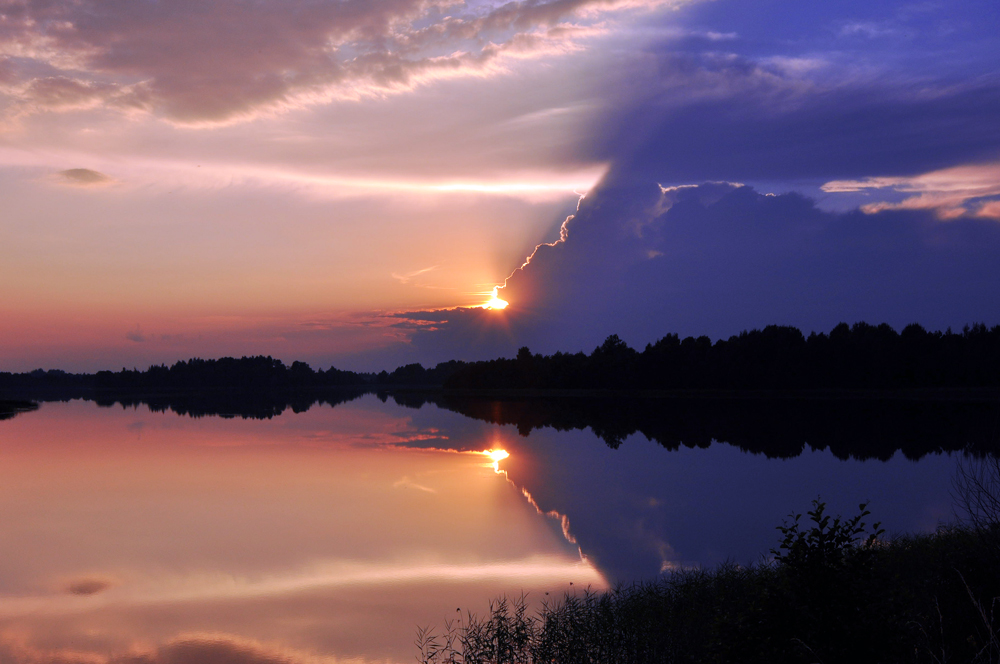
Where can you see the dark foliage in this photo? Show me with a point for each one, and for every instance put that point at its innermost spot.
(50, 385)
(247, 374)
(836, 594)
(243, 374)
(227, 404)
(977, 496)
(415, 375)
(9, 409)
(249, 387)
(777, 357)
(849, 426)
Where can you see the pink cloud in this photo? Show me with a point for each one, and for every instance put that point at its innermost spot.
(950, 192)
(989, 210)
(203, 649)
(210, 62)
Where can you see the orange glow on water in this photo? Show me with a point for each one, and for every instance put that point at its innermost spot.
(111, 545)
(495, 302)
(497, 456)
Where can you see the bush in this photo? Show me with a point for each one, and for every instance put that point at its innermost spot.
(834, 592)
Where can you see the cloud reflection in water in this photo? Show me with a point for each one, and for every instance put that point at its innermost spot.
(288, 540)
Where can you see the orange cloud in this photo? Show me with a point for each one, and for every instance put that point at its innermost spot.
(951, 192)
(190, 649)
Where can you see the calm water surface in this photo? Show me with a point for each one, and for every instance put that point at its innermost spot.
(332, 534)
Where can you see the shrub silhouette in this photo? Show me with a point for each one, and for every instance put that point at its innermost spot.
(825, 545)
(835, 591)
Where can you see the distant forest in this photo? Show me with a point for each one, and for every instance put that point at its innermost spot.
(244, 375)
(861, 356)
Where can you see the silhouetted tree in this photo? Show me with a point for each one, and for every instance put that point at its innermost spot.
(777, 357)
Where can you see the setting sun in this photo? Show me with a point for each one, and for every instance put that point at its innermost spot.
(495, 302)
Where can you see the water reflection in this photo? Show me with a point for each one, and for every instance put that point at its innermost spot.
(649, 489)
(322, 533)
(850, 426)
(334, 531)
(497, 456)
(638, 510)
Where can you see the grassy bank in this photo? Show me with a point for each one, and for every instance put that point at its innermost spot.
(833, 593)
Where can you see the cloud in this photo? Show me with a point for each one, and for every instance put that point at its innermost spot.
(214, 650)
(136, 335)
(193, 649)
(225, 60)
(407, 483)
(951, 192)
(88, 586)
(989, 209)
(868, 29)
(797, 101)
(684, 118)
(641, 260)
(83, 177)
(406, 278)
(62, 93)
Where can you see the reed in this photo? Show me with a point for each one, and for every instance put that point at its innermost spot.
(833, 593)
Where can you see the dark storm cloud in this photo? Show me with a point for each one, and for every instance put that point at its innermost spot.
(811, 106)
(691, 118)
(640, 261)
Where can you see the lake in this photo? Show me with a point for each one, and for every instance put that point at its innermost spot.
(330, 534)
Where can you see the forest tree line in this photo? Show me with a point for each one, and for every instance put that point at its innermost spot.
(861, 356)
(257, 374)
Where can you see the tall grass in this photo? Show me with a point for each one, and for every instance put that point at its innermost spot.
(924, 598)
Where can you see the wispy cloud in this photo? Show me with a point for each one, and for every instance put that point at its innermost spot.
(405, 278)
(407, 483)
(951, 192)
(207, 648)
(226, 60)
(869, 29)
(136, 335)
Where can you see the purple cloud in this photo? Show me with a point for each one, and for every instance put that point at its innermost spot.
(641, 260)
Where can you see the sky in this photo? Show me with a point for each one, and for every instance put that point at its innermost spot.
(346, 182)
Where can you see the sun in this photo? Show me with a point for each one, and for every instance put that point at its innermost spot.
(495, 302)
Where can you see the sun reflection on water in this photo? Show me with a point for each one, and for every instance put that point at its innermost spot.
(497, 456)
